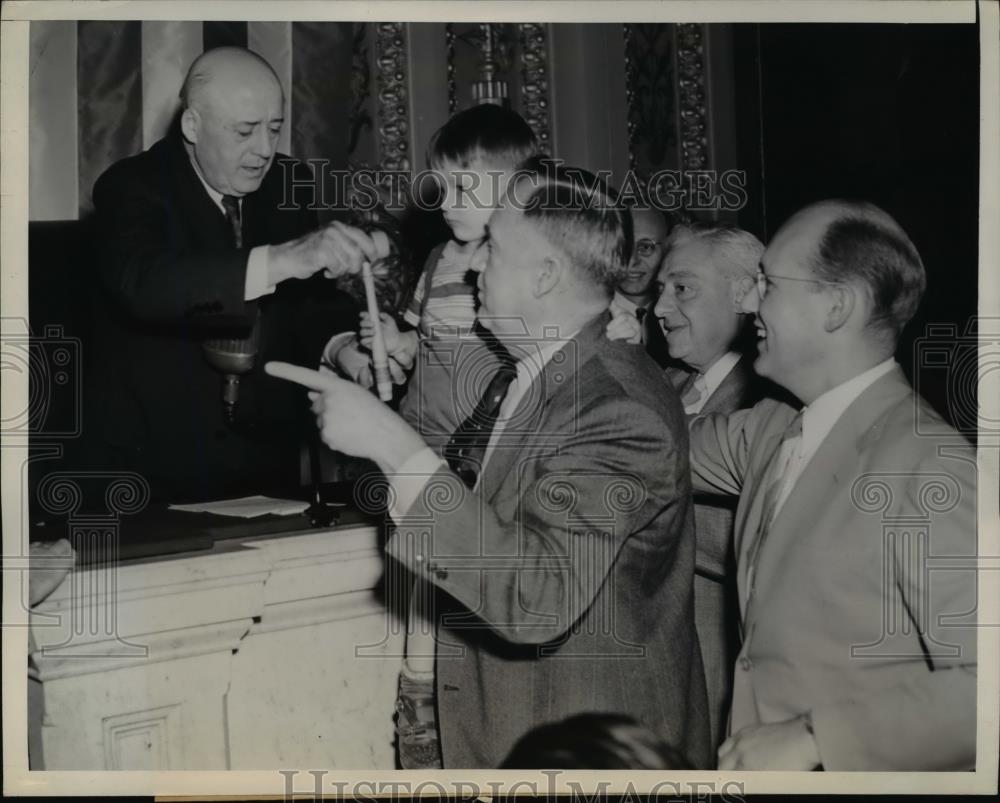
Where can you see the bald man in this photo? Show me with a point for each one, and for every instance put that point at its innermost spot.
(199, 238)
(855, 654)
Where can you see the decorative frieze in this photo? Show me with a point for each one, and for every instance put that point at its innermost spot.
(693, 112)
(449, 40)
(391, 84)
(535, 80)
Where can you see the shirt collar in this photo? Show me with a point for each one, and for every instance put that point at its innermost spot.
(626, 302)
(719, 370)
(213, 193)
(819, 417)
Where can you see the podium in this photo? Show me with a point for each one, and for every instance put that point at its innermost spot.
(259, 652)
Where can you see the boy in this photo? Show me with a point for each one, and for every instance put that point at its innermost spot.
(475, 153)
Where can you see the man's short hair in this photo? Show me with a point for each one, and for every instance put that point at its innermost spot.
(866, 245)
(486, 134)
(578, 214)
(735, 252)
(671, 219)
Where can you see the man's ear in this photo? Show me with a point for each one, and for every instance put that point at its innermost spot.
(190, 122)
(740, 287)
(550, 274)
(843, 299)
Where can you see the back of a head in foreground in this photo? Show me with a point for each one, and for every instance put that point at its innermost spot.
(578, 214)
(593, 742)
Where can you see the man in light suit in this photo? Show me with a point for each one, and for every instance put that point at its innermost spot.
(855, 656)
(705, 274)
(564, 546)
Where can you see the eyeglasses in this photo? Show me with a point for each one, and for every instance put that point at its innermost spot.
(764, 278)
(645, 248)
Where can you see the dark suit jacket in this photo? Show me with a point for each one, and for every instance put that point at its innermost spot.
(715, 605)
(568, 573)
(170, 277)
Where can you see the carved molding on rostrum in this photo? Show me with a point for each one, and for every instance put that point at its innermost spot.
(163, 610)
(287, 630)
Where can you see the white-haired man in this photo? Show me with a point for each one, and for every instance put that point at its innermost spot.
(705, 274)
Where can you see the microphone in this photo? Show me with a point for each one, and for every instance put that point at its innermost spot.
(233, 358)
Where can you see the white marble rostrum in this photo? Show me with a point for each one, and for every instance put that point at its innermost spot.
(259, 653)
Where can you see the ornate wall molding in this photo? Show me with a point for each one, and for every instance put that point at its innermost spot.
(390, 81)
(361, 91)
(651, 95)
(693, 112)
(633, 123)
(535, 80)
(449, 40)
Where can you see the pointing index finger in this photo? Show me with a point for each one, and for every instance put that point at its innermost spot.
(306, 377)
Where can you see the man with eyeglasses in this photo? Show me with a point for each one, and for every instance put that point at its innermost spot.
(855, 656)
(636, 293)
(707, 270)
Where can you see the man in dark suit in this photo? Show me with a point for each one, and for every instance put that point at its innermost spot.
(636, 292)
(560, 528)
(199, 238)
(706, 271)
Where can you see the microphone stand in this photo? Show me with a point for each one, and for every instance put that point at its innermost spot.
(320, 514)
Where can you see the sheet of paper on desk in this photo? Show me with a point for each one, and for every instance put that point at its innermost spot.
(247, 507)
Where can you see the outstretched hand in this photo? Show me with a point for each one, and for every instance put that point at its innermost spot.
(350, 420)
(336, 249)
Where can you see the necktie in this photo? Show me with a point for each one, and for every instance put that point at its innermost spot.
(777, 476)
(652, 336)
(466, 447)
(695, 393)
(232, 206)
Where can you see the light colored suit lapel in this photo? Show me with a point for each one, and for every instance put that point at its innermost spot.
(832, 466)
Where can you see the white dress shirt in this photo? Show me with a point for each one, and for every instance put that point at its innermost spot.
(627, 304)
(256, 284)
(819, 418)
